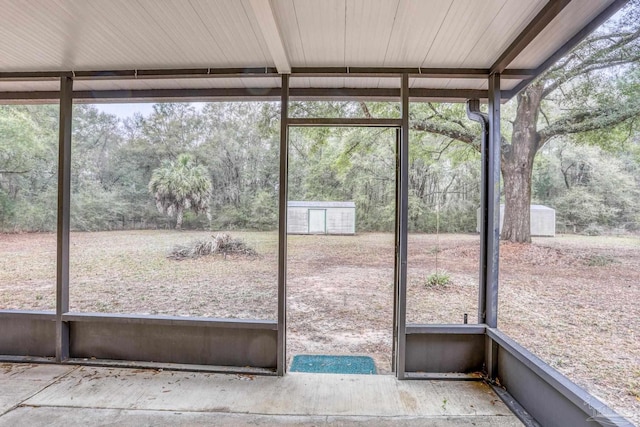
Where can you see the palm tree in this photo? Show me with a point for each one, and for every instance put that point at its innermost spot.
(181, 185)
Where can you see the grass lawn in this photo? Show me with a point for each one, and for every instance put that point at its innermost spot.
(572, 300)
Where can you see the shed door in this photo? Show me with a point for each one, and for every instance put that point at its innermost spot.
(317, 221)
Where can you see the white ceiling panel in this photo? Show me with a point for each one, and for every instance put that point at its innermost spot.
(317, 82)
(80, 35)
(22, 48)
(386, 83)
(569, 22)
(196, 83)
(508, 23)
(464, 24)
(428, 83)
(321, 25)
(185, 83)
(508, 84)
(474, 84)
(145, 84)
(95, 85)
(415, 27)
(19, 86)
(287, 20)
(257, 33)
(120, 34)
(368, 30)
(101, 85)
(228, 23)
(449, 83)
(345, 82)
(261, 82)
(313, 31)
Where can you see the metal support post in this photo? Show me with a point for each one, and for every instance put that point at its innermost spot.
(64, 200)
(492, 242)
(492, 238)
(402, 217)
(282, 226)
(474, 113)
(396, 259)
(489, 215)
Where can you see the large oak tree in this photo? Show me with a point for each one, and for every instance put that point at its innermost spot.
(592, 88)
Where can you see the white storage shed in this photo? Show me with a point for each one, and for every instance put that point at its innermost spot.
(321, 217)
(543, 220)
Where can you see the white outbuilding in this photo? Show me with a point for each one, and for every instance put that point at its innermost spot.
(321, 217)
(543, 220)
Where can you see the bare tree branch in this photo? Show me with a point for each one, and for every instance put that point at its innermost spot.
(437, 113)
(589, 120)
(590, 57)
(365, 109)
(445, 129)
(14, 172)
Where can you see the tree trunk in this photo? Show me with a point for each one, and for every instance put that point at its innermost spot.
(517, 167)
(517, 200)
(179, 217)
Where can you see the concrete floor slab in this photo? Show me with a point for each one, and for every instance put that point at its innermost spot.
(119, 396)
(21, 381)
(64, 417)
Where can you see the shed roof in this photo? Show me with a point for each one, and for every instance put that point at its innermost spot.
(449, 46)
(315, 204)
(542, 208)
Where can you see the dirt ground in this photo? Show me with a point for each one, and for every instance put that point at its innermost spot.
(571, 300)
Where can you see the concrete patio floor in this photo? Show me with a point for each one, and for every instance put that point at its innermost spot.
(64, 395)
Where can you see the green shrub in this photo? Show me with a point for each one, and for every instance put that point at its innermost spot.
(7, 210)
(438, 280)
(599, 260)
(593, 230)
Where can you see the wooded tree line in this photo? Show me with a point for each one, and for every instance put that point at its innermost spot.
(570, 140)
(593, 181)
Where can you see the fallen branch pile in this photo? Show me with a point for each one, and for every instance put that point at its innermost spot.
(218, 244)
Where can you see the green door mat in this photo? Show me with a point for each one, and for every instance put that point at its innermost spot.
(321, 364)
